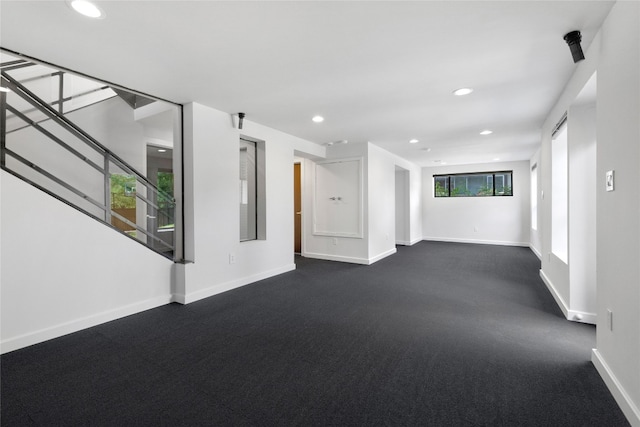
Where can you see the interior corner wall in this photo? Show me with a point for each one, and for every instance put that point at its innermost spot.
(582, 211)
(414, 196)
(63, 271)
(617, 214)
(381, 205)
(402, 207)
(554, 271)
(221, 261)
(378, 239)
(335, 248)
(503, 220)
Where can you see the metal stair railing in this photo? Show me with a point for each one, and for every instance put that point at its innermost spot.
(150, 200)
(61, 99)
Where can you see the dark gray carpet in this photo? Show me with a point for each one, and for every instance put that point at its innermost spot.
(440, 334)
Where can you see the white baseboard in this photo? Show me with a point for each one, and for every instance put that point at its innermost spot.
(582, 317)
(628, 407)
(477, 242)
(573, 315)
(535, 251)
(556, 295)
(339, 258)
(382, 255)
(227, 286)
(408, 242)
(352, 260)
(76, 325)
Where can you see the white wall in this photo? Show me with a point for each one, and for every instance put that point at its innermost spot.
(402, 207)
(615, 55)
(212, 158)
(63, 271)
(379, 197)
(582, 212)
(382, 203)
(491, 220)
(618, 212)
(336, 248)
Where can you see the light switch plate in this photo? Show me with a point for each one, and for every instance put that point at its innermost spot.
(610, 181)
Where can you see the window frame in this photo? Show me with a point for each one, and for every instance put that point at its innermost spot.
(258, 221)
(490, 176)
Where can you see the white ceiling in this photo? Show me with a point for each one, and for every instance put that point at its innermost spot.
(380, 71)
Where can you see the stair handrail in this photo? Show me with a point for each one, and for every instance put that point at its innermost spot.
(16, 86)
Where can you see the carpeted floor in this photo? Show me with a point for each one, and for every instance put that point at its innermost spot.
(439, 334)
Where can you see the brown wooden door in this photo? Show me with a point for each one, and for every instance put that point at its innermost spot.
(297, 209)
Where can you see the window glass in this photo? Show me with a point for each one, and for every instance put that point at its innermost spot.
(442, 186)
(473, 184)
(248, 220)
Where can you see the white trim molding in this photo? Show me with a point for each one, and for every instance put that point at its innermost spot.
(628, 407)
(476, 242)
(76, 325)
(352, 260)
(556, 295)
(210, 291)
(573, 315)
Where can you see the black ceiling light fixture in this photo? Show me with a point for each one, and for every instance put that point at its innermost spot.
(240, 120)
(573, 39)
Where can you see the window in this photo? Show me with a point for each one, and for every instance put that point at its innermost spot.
(473, 184)
(559, 192)
(534, 197)
(252, 190)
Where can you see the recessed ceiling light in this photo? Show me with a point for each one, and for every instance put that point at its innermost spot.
(486, 132)
(443, 163)
(318, 119)
(413, 141)
(496, 159)
(86, 8)
(462, 91)
(161, 150)
(427, 149)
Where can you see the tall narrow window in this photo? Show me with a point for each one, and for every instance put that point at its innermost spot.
(559, 192)
(534, 197)
(253, 205)
(248, 186)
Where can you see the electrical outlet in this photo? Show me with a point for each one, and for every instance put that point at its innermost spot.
(475, 228)
(610, 320)
(232, 258)
(335, 241)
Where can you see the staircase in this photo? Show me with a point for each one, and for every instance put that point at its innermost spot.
(60, 133)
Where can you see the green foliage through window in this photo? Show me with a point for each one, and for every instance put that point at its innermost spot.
(474, 184)
(123, 191)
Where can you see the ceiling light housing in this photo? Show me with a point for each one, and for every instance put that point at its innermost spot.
(573, 39)
(462, 91)
(486, 132)
(86, 8)
(413, 141)
(317, 119)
